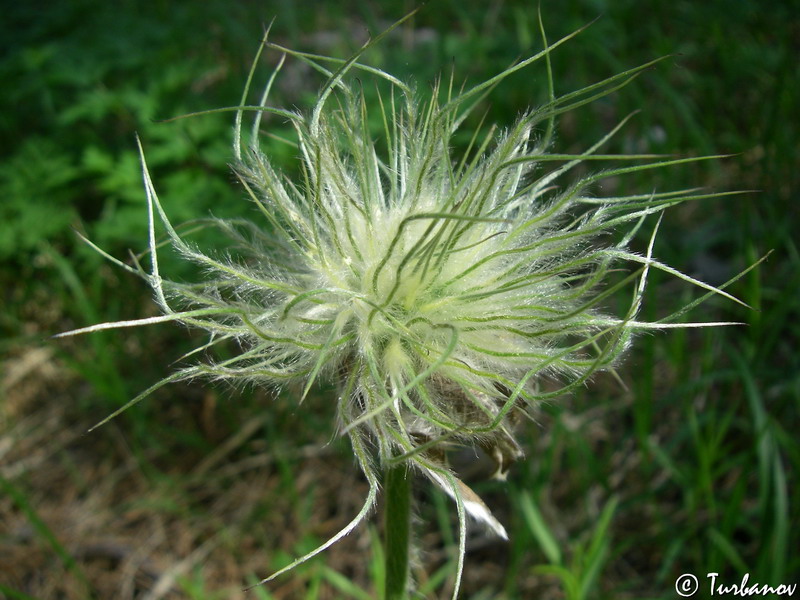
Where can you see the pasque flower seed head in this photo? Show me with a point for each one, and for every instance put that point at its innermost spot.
(436, 290)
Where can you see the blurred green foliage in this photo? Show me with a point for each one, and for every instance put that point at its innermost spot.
(87, 77)
(716, 480)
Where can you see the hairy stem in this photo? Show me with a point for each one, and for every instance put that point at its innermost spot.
(397, 520)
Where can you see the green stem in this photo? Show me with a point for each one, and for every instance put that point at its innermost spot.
(397, 522)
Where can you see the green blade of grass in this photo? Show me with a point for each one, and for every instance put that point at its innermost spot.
(344, 585)
(536, 525)
(597, 552)
(19, 498)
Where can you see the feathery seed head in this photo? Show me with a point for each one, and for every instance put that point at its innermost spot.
(436, 290)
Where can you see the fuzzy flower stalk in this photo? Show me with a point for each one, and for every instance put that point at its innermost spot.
(437, 291)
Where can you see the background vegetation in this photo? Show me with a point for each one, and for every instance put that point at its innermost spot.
(688, 464)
